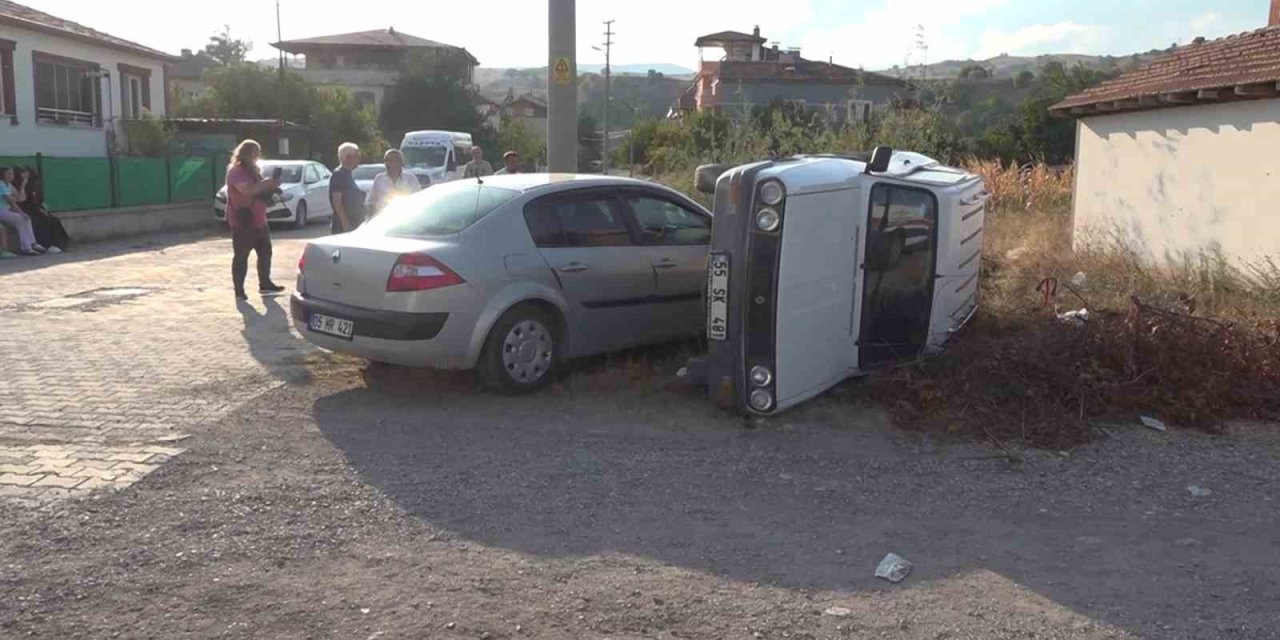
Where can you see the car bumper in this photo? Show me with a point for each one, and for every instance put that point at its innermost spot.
(396, 337)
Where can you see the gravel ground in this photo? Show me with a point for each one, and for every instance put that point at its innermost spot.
(383, 504)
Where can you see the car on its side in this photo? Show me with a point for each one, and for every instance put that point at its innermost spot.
(509, 276)
(304, 193)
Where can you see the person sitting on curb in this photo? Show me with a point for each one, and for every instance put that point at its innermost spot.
(11, 198)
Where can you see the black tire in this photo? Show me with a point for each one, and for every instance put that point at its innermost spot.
(538, 336)
(300, 220)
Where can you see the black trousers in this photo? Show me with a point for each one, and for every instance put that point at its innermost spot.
(244, 240)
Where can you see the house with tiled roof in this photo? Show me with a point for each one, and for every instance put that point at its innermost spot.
(753, 73)
(368, 63)
(1181, 159)
(65, 88)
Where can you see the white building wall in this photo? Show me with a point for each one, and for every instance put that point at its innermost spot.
(27, 137)
(1183, 182)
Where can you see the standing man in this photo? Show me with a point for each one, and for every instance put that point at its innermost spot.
(510, 164)
(478, 167)
(392, 183)
(345, 196)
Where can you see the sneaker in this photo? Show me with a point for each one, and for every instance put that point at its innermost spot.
(38, 249)
(53, 251)
(270, 287)
(7, 255)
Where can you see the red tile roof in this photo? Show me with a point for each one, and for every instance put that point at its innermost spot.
(1251, 58)
(24, 16)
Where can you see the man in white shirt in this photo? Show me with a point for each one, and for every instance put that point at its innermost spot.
(392, 183)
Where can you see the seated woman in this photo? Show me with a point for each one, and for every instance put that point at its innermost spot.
(11, 214)
(48, 228)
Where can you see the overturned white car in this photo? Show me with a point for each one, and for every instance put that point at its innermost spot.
(824, 267)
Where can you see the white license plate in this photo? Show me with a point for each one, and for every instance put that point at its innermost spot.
(718, 298)
(321, 323)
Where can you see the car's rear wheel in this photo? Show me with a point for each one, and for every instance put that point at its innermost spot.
(521, 354)
(300, 218)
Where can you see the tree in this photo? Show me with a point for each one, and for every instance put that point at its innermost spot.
(974, 72)
(432, 94)
(148, 136)
(516, 136)
(338, 118)
(1024, 79)
(226, 49)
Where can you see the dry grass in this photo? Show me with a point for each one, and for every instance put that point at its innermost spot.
(1193, 345)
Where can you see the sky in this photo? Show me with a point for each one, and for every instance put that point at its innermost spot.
(873, 34)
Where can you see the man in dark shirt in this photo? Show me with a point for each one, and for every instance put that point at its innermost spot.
(345, 196)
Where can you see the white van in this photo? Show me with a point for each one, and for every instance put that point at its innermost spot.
(823, 268)
(436, 155)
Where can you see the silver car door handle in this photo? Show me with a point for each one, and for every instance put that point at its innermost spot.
(573, 267)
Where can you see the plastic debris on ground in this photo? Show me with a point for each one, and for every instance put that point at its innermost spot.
(893, 568)
(1077, 317)
(1199, 492)
(1152, 423)
(838, 612)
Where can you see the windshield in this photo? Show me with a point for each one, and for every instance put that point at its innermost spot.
(425, 157)
(439, 211)
(367, 171)
(291, 174)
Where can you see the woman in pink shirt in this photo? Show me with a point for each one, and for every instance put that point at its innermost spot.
(247, 194)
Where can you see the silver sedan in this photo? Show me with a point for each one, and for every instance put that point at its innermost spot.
(509, 276)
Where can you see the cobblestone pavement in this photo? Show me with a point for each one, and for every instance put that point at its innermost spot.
(112, 351)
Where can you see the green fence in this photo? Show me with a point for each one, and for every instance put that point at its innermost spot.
(74, 184)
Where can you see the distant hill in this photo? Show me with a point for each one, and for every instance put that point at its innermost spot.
(1009, 66)
(638, 95)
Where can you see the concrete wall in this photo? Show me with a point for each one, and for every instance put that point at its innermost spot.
(105, 224)
(1178, 183)
(27, 137)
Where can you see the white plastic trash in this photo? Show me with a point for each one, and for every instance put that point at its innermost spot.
(893, 568)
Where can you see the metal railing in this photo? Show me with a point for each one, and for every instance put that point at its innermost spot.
(66, 116)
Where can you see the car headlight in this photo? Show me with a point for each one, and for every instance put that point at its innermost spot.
(761, 376)
(761, 400)
(285, 197)
(767, 219)
(772, 193)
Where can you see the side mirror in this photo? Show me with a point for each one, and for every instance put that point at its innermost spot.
(705, 176)
(880, 158)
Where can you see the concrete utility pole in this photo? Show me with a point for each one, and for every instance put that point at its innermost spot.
(562, 87)
(608, 76)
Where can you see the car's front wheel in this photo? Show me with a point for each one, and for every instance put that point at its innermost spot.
(522, 352)
(300, 217)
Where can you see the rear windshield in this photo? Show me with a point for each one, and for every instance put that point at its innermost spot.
(367, 171)
(441, 210)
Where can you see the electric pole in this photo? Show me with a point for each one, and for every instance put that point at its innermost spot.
(562, 87)
(608, 74)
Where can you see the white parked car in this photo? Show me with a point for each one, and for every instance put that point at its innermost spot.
(304, 193)
(365, 174)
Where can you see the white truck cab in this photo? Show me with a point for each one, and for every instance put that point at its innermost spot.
(437, 155)
(823, 268)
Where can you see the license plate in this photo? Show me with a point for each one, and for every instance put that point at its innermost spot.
(321, 323)
(718, 297)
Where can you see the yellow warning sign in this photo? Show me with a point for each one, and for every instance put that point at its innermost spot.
(560, 71)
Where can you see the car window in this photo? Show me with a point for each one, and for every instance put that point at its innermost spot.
(663, 222)
(311, 174)
(367, 171)
(325, 173)
(438, 211)
(289, 174)
(590, 221)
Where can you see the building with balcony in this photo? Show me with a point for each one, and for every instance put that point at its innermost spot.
(754, 73)
(368, 63)
(65, 88)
